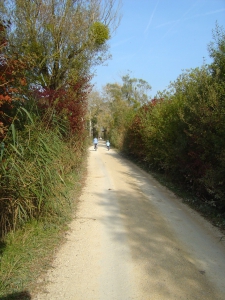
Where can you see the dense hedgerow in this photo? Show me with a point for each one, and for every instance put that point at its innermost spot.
(184, 135)
(182, 131)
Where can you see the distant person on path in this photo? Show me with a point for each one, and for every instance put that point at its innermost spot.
(95, 142)
(108, 144)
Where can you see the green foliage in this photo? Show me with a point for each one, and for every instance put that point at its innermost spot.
(217, 53)
(35, 160)
(124, 100)
(180, 132)
(99, 33)
(65, 38)
(183, 135)
(134, 90)
(34, 173)
(42, 148)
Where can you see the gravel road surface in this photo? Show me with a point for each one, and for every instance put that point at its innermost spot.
(133, 239)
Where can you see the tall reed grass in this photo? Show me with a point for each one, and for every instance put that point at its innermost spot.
(36, 166)
(41, 171)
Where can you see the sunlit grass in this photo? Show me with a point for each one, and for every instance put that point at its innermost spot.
(25, 254)
(41, 179)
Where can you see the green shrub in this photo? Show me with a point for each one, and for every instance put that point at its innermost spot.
(183, 135)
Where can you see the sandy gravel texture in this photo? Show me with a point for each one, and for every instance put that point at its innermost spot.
(131, 238)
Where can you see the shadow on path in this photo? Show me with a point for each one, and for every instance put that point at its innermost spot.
(168, 269)
(25, 295)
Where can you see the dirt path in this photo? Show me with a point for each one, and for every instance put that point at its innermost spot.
(133, 239)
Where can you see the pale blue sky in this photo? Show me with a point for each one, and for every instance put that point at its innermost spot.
(157, 39)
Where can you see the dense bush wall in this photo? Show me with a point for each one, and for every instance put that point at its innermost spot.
(183, 135)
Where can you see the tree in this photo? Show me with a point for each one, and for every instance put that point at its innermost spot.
(134, 90)
(99, 113)
(217, 53)
(66, 37)
(94, 104)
